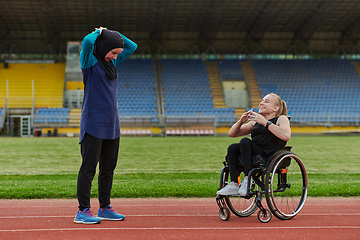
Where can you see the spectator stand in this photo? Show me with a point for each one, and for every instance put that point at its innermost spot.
(318, 92)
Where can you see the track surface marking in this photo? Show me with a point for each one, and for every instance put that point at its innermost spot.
(170, 218)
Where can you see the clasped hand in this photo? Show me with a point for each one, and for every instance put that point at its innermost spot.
(100, 28)
(253, 116)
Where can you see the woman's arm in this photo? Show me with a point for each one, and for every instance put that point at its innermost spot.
(129, 48)
(239, 128)
(282, 128)
(87, 48)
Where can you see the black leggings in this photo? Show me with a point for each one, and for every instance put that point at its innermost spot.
(245, 148)
(94, 151)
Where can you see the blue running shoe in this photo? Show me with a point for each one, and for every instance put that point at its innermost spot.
(86, 217)
(109, 214)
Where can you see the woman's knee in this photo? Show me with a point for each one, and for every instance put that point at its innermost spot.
(233, 148)
(245, 142)
(245, 145)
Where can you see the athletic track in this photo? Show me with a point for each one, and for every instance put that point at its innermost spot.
(321, 218)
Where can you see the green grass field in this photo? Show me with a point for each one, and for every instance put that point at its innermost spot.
(165, 167)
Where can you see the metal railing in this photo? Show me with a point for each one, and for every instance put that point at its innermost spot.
(190, 121)
(325, 119)
(29, 102)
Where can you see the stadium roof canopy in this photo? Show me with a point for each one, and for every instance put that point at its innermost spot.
(186, 26)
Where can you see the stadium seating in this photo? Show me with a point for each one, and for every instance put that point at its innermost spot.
(230, 69)
(317, 90)
(187, 90)
(51, 115)
(48, 84)
(136, 89)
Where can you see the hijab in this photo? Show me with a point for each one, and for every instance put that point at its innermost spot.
(107, 41)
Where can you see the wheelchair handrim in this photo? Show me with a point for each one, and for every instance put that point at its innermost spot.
(305, 186)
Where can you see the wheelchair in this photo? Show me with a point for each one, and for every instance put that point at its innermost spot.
(282, 180)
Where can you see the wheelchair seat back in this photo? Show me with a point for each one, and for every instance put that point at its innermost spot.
(285, 163)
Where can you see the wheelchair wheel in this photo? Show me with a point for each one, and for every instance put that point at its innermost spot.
(264, 216)
(224, 213)
(286, 185)
(240, 206)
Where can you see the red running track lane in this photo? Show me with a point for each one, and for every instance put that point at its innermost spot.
(321, 218)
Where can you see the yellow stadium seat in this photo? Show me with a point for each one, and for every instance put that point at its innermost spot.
(48, 84)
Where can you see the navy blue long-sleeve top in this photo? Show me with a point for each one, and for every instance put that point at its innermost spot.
(99, 114)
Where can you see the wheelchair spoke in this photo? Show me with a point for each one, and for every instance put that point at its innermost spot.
(287, 186)
(240, 206)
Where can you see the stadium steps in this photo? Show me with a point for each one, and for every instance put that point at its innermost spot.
(74, 117)
(249, 74)
(74, 85)
(215, 84)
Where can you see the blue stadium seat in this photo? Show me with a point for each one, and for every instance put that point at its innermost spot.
(51, 115)
(136, 88)
(187, 89)
(312, 87)
(230, 69)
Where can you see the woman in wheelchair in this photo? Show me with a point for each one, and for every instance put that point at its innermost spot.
(270, 130)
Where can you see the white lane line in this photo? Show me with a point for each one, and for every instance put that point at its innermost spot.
(179, 215)
(175, 228)
(163, 204)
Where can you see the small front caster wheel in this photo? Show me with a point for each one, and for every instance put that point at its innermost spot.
(264, 216)
(224, 213)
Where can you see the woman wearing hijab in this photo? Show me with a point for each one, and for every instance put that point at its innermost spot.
(102, 51)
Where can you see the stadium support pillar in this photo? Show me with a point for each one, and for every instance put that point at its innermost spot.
(195, 50)
(243, 50)
(292, 50)
(340, 50)
(161, 50)
(355, 49)
(146, 49)
(211, 49)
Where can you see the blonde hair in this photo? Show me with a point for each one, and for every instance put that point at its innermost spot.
(282, 105)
